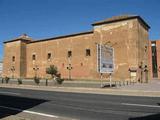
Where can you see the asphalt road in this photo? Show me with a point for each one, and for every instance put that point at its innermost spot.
(78, 106)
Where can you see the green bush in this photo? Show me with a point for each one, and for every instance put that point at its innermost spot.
(7, 79)
(2, 80)
(19, 81)
(59, 80)
(37, 80)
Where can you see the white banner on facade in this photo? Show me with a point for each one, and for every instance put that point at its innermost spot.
(105, 59)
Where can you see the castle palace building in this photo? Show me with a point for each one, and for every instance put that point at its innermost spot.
(76, 55)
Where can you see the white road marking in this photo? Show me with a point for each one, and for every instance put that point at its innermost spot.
(30, 112)
(141, 105)
(10, 93)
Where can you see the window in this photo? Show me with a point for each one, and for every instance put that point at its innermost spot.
(34, 57)
(13, 59)
(88, 52)
(49, 56)
(69, 53)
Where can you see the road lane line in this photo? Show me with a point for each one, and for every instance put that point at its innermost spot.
(42, 114)
(9, 93)
(30, 112)
(141, 105)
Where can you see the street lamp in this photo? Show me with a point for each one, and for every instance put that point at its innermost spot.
(36, 68)
(12, 70)
(69, 71)
(69, 66)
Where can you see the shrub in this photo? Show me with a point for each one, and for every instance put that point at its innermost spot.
(7, 79)
(19, 81)
(2, 80)
(59, 80)
(36, 80)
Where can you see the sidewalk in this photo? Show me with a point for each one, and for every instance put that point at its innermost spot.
(151, 89)
(73, 83)
(66, 83)
(153, 85)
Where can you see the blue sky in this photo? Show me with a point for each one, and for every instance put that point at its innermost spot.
(49, 18)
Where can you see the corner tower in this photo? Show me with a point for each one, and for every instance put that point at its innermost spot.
(15, 57)
(128, 35)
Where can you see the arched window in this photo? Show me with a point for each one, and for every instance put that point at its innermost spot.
(13, 58)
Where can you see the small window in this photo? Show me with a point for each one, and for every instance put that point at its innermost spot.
(34, 57)
(69, 53)
(13, 59)
(88, 52)
(49, 56)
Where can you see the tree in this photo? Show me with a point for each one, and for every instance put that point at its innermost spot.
(52, 70)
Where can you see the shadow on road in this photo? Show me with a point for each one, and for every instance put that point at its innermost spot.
(148, 117)
(20, 103)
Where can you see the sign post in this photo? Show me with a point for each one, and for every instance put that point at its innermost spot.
(105, 61)
(101, 80)
(110, 79)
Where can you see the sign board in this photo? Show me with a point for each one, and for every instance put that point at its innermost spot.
(105, 59)
(133, 74)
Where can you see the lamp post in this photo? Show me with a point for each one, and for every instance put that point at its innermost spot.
(12, 70)
(36, 68)
(69, 71)
(69, 67)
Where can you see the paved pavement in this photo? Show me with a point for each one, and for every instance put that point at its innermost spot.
(78, 106)
(151, 89)
(66, 83)
(72, 83)
(153, 85)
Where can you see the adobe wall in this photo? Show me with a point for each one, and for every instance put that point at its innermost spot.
(143, 47)
(124, 38)
(11, 49)
(150, 60)
(143, 44)
(82, 65)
